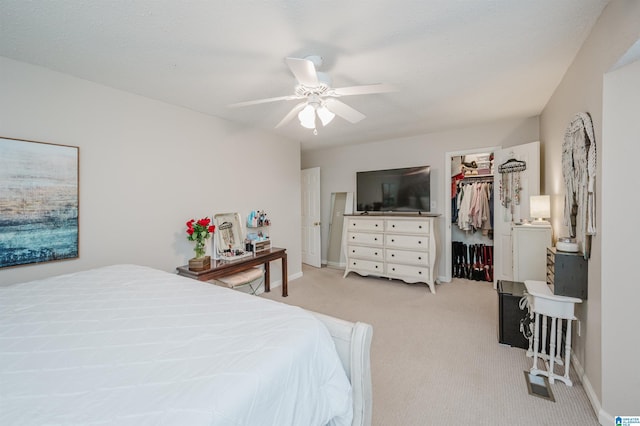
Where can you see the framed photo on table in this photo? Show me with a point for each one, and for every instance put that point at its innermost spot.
(39, 202)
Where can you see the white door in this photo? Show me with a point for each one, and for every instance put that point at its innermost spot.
(504, 217)
(311, 217)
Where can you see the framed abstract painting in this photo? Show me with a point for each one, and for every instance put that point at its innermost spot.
(39, 202)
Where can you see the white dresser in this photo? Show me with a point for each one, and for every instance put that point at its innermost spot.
(530, 243)
(393, 246)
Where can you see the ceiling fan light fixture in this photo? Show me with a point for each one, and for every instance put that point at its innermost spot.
(325, 115)
(307, 117)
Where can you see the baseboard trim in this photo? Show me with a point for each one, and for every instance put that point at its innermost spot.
(604, 418)
(337, 265)
(292, 277)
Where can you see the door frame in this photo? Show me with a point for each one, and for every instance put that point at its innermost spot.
(311, 240)
(446, 276)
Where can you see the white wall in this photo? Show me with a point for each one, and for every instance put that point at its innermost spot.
(147, 167)
(620, 322)
(581, 91)
(338, 166)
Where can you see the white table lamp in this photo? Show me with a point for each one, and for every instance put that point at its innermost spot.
(540, 209)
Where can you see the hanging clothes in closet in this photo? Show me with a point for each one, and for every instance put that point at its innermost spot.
(473, 206)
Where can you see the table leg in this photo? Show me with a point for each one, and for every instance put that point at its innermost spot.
(567, 354)
(267, 277)
(285, 278)
(552, 351)
(536, 341)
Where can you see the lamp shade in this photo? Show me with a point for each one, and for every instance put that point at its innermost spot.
(325, 115)
(307, 117)
(540, 207)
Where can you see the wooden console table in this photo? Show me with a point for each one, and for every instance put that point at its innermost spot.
(222, 268)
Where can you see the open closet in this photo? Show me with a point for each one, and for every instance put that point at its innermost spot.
(472, 193)
(483, 248)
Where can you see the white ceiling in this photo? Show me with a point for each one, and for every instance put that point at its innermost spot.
(455, 62)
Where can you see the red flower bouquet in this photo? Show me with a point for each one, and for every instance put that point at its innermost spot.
(199, 231)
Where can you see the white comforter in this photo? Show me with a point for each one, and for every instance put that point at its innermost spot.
(130, 345)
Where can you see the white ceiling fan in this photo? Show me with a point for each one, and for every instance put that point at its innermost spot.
(319, 98)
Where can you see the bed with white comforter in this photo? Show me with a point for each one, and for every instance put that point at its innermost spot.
(130, 345)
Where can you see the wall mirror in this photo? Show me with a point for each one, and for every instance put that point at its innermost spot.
(341, 204)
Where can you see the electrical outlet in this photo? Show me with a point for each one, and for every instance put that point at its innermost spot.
(433, 205)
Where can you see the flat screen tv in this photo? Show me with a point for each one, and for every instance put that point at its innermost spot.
(394, 190)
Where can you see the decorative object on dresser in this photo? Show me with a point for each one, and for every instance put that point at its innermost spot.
(230, 238)
(257, 231)
(392, 246)
(200, 231)
(567, 273)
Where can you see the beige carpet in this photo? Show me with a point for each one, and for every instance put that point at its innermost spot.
(435, 358)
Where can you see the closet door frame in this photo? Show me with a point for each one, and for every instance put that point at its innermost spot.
(446, 277)
(502, 245)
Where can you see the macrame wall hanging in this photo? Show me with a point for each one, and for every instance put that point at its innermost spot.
(510, 185)
(579, 173)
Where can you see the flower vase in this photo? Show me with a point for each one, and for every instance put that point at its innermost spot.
(200, 262)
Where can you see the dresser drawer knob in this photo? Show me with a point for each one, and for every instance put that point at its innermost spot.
(420, 242)
(393, 241)
(419, 226)
(393, 255)
(419, 272)
(393, 269)
(419, 257)
(376, 225)
(375, 253)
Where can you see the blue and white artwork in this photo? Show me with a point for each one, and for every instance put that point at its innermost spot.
(38, 202)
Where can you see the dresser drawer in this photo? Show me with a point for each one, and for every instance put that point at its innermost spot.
(416, 242)
(366, 225)
(366, 266)
(408, 226)
(365, 238)
(404, 256)
(407, 272)
(361, 252)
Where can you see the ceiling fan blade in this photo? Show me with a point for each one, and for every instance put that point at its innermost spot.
(362, 90)
(344, 110)
(294, 111)
(304, 71)
(264, 101)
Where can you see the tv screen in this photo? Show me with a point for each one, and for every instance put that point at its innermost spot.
(394, 190)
